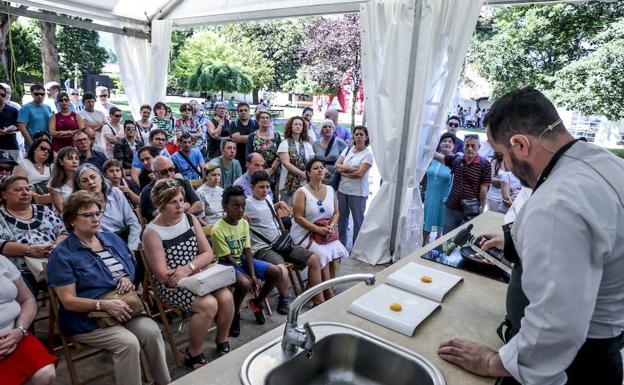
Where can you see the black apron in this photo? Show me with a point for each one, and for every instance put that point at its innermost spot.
(598, 361)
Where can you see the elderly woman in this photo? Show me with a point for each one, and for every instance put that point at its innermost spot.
(23, 359)
(61, 183)
(84, 268)
(265, 142)
(315, 210)
(175, 247)
(37, 165)
(328, 148)
(438, 186)
(26, 229)
(117, 214)
(353, 165)
(294, 153)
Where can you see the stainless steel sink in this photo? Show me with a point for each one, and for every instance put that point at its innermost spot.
(342, 354)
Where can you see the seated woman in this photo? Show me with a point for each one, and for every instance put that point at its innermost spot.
(315, 210)
(36, 166)
(82, 269)
(23, 359)
(26, 229)
(114, 172)
(117, 214)
(61, 183)
(175, 247)
(210, 194)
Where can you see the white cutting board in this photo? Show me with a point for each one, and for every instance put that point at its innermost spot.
(408, 278)
(375, 306)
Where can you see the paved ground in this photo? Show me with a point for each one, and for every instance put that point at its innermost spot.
(249, 331)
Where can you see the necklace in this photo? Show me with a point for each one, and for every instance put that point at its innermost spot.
(315, 189)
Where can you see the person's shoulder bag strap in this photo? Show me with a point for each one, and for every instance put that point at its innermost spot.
(330, 145)
(183, 155)
(279, 224)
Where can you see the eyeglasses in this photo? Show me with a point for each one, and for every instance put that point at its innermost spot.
(6, 168)
(38, 93)
(46, 149)
(453, 125)
(117, 116)
(91, 214)
(3, 95)
(186, 109)
(470, 145)
(64, 100)
(320, 204)
(81, 140)
(74, 94)
(167, 171)
(171, 183)
(103, 96)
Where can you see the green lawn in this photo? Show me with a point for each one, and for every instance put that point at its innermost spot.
(618, 151)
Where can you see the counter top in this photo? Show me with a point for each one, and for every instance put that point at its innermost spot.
(472, 310)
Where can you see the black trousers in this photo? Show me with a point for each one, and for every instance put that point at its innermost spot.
(597, 362)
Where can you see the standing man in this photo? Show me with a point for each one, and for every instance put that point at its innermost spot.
(93, 119)
(240, 130)
(472, 176)
(230, 168)
(8, 125)
(189, 160)
(452, 124)
(341, 132)
(255, 162)
(8, 100)
(87, 154)
(163, 169)
(34, 116)
(565, 300)
(217, 128)
(52, 91)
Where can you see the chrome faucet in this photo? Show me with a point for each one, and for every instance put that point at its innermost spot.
(296, 337)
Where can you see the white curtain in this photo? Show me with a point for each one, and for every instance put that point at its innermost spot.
(144, 66)
(443, 31)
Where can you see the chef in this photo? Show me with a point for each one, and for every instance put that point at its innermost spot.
(565, 300)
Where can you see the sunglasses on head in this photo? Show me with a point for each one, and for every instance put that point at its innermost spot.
(453, 125)
(166, 171)
(320, 204)
(91, 214)
(471, 136)
(38, 93)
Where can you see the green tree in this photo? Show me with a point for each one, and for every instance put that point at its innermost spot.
(79, 46)
(220, 77)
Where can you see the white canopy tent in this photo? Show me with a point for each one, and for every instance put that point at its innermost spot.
(412, 55)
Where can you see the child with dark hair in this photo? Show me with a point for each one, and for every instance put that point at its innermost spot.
(232, 246)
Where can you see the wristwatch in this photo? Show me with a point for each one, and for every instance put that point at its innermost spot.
(23, 330)
(193, 267)
(97, 305)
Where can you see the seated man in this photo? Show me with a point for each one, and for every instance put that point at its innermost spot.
(163, 168)
(232, 246)
(227, 162)
(158, 139)
(189, 160)
(266, 228)
(255, 162)
(87, 154)
(125, 149)
(146, 154)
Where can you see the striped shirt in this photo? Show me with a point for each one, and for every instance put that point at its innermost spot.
(115, 267)
(473, 174)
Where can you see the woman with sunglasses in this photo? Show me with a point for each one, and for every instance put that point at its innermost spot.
(37, 166)
(82, 269)
(187, 124)
(64, 123)
(61, 183)
(112, 131)
(117, 214)
(26, 229)
(315, 209)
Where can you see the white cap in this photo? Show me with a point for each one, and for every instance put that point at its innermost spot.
(6, 87)
(49, 85)
(99, 89)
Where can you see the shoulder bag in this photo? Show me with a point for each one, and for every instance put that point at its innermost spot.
(193, 167)
(104, 319)
(283, 245)
(471, 206)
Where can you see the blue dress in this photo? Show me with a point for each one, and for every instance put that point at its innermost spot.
(439, 181)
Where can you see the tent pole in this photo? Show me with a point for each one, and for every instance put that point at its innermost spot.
(407, 118)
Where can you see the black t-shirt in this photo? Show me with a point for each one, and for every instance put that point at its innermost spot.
(147, 207)
(144, 178)
(237, 126)
(214, 145)
(8, 117)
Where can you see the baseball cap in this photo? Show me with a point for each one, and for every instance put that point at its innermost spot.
(6, 158)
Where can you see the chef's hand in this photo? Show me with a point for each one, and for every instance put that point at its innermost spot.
(473, 357)
(492, 241)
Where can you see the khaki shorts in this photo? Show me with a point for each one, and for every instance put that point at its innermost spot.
(299, 257)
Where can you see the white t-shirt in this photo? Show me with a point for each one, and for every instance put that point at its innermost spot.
(262, 221)
(34, 176)
(211, 198)
(9, 307)
(283, 147)
(355, 186)
(95, 118)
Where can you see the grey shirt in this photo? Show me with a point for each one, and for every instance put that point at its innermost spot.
(262, 221)
(570, 239)
(331, 158)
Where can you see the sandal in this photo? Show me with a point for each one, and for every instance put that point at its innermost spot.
(191, 362)
(223, 348)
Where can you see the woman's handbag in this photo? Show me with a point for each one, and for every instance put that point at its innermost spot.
(319, 238)
(35, 265)
(104, 319)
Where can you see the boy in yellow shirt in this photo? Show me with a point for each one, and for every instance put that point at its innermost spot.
(231, 245)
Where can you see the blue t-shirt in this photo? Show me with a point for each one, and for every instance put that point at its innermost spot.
(8, 117)
(343, 133)
(186, 170)
(36, 117)
(136, 162)
(72, 262)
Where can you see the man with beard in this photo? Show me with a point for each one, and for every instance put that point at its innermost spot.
(472, 176)
(565, 300)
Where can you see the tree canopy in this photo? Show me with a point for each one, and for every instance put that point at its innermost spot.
(79, 46)
(572, 52)
(219, 76)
